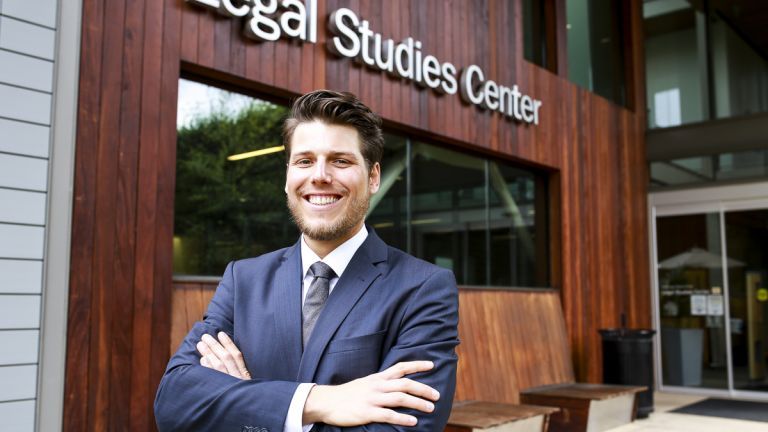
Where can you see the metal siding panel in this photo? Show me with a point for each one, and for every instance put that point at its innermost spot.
(22, 207)
(26, 105)
(24, 138)
(21, 172)
(19, 312)
(26, 71)
(24, 347)
(19, 382)
(21, 276)
(17, 416)
(21, 241)
(41, 12)
(27, 38)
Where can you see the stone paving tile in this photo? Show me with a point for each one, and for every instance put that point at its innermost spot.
(663, 421)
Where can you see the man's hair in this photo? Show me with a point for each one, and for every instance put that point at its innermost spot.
(338, 108)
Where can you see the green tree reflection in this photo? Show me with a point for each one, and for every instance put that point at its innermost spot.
(227, 210)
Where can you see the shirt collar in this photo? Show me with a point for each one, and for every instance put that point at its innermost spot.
(338, 259)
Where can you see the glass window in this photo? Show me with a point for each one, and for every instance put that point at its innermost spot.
(595, 46)
(724, 167)
(227, 209)
(675, 63)
(536, 40)
(739, 72)
(388, 213)
(690, 275)
(518, 220)
(449, 221)
(485, 220)
(703, 62)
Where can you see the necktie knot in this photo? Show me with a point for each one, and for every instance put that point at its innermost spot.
(321, 270)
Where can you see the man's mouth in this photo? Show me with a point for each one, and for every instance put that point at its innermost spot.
(322, 199)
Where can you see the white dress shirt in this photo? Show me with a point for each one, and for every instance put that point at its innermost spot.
(338, 260)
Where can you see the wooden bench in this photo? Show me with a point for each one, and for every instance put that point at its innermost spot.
(475, 416)
(515, 349)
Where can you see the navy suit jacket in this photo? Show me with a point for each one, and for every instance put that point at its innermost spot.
(386, 308)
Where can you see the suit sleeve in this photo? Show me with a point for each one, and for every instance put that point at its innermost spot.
(193, 397)
(428, 331)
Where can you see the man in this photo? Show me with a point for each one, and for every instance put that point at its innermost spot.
(338, 332)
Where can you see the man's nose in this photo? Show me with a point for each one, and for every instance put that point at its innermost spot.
(320, 174)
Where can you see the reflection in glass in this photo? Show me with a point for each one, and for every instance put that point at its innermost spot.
(486, 220)
(449, 220)
(518, 220)
(535, 32)
(674, 62)
(388, 211)
(595, 47)
(724, 167)
(224, 209)
(691, 301)
(740, 72)
(746, 237)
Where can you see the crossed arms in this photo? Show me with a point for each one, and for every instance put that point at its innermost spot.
(195, 395)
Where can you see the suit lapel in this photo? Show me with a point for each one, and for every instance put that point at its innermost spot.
(358, 276)
(288, 283)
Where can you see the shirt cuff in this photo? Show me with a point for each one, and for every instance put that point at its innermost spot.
(296, 410)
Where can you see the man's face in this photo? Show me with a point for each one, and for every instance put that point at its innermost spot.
(328, 184)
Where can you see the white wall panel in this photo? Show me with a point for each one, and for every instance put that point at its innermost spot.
(42, 12)
(21, 276)
(23, 172)
(17, 416)
(21, 241)
(22, 207)
(19, 346)
(19, 312)
(27, 105)
(26, 71)
(24, 138)
(19, 382)
(27, 38)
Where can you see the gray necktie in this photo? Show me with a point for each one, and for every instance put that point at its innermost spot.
(316, 297)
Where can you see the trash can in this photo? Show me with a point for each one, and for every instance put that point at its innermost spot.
(628, 360)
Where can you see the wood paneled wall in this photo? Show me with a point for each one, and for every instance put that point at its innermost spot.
(133, 52)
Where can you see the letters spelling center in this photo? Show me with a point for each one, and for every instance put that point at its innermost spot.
(269, 20)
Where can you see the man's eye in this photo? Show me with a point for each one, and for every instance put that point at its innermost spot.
(303, 162)
(342, 162)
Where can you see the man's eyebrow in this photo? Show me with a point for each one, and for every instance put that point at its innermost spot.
(347, 155)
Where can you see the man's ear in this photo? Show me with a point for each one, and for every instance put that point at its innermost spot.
(375, 178)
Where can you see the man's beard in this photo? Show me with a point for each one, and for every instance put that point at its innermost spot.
(332, 230)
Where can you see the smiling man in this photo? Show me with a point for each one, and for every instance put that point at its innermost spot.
(337, 332)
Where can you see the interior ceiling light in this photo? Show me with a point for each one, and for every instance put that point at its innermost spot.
(255, 153)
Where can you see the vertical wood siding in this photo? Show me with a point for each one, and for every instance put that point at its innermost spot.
(133, 52)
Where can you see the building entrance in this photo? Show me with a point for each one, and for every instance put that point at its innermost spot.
(710, 274)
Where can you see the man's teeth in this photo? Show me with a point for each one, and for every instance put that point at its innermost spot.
(322, 200)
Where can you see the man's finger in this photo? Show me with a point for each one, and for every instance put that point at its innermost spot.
(230, 346)
(210, 357)
(384, 415)
(402, 369)
(223, 355)
(404, 400)
(409, 386)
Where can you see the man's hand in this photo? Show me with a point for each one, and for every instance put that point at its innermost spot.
(222, 355)
(371, 399)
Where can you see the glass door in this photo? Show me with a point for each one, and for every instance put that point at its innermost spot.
(691, 301)
(746, 233)
(710, 274)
